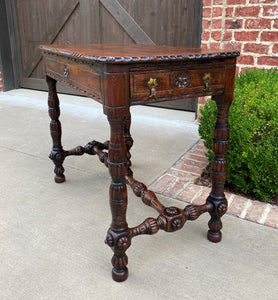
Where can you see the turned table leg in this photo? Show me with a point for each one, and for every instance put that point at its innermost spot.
(118, 236)
(219, 167)
(57, 154)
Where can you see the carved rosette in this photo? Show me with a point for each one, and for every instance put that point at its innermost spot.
(124, 242)
(177, 224)
(171, 219)
(109, 240)
(222, 208)
(215, 224)
(180, 79)
(171, 211)
(119, 243)
(58, 157)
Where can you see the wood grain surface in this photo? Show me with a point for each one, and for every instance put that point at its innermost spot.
(124, 53)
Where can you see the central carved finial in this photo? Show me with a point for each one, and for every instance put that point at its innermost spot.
(171, 211)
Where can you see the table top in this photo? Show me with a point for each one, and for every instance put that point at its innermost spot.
(130, 53)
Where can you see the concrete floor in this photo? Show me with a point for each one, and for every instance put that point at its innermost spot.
(51, 236)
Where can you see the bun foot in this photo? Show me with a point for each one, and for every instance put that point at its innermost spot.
(60, 178)
(119, 275)
(214, 237)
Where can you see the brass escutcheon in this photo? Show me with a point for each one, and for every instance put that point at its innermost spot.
(152, 83)
(207, 80)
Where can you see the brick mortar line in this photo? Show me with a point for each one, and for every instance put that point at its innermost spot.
(186, 184)
(199, 193)
(188, 158)
(202, 162)
(186, 172)
(211, 18)
(197, 154)
(265, 214)
(189, 164)
(243, 19)
(261, 30)
(231, 199)
(223, 19)
(248, 204)
(172, 184)
(165, 172)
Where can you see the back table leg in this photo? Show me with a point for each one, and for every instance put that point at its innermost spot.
(219, 167)
(57, 154)
(128, 140)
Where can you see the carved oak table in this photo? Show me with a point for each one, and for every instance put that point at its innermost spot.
(118, 76)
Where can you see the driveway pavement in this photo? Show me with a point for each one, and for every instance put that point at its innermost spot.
(51, 235)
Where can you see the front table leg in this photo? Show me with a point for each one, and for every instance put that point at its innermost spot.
(118, 236)
(57, 154)
(219, 167)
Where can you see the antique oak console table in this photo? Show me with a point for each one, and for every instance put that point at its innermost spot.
(118, 76)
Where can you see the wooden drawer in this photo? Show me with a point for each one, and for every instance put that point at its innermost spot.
(81, 77)
(187, 82)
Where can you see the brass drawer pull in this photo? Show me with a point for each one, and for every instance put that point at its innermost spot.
(152, 83)
(207, 80)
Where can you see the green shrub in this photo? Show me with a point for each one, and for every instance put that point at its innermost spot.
(253, 116)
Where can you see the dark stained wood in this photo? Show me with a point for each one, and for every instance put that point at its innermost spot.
(90, 85)
(173, 23)
(57, 153)
(125, 75)
(49, 36)
(137, 34)
(134, 53)
(161, 22)
(175, 81)
(43, 21)
(90, 21)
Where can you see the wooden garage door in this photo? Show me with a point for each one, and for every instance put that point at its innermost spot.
(161, 22)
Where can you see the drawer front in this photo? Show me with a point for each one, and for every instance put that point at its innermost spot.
(187, 82)
(80, 77)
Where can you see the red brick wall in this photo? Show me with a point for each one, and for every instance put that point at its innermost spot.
(251, 26)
